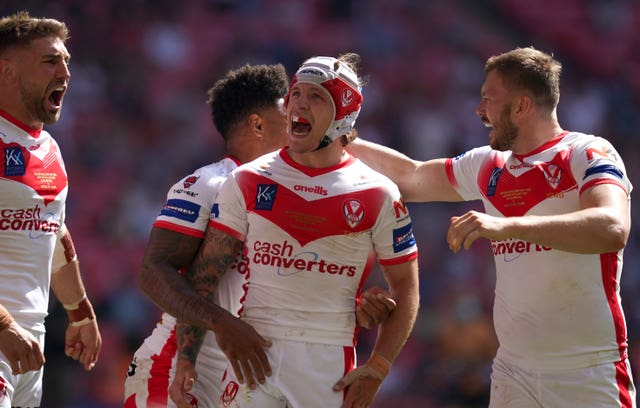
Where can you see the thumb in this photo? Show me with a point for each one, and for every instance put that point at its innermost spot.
(347, 380)
(188, 383)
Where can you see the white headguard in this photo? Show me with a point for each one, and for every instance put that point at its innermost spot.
(342, 84)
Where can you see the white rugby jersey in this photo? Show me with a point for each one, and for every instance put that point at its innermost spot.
(309, 235)
(187, 211)
(553, 309)
(33, 187)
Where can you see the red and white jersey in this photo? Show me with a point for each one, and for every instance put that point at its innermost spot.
(33, 187)
(553, 309)
(309, 236)
(187, 211)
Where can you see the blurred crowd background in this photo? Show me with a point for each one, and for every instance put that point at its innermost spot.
(135, 121)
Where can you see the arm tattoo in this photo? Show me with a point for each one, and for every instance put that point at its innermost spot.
(217, 253)
(190, 339)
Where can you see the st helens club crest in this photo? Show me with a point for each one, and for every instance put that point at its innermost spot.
(353, 211)
(553, 174)
(229, 393)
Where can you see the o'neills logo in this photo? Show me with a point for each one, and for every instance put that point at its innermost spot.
(26, 219)
(288, 262)
(308, 189)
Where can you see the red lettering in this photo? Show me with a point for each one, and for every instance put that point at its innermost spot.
(400, 208)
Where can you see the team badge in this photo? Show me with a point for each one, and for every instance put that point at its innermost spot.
(229, 393)
(353, 211)
(3, 389)
(189, 181)
(553, 174)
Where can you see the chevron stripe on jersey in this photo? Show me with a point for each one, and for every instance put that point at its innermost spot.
(308, 235)
(553, 309)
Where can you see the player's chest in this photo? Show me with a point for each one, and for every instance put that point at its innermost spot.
(516, 187)
(35, 171)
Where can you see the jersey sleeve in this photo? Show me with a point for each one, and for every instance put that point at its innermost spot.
(463, 171)
(229, 210)
(188, 204)
(597, 162)
(392, 234)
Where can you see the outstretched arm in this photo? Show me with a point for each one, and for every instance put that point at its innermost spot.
(601, 225)
(418, 181)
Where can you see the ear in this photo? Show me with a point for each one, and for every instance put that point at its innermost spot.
(255, 123)
(524, 104)
(7, 69)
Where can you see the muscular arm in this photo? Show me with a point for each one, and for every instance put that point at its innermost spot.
(417, 181)
(167, 252)
(601, 225)
(393, 333)
(217, 254)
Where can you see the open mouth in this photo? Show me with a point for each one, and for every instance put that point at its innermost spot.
(55, 97)
(300, 126)
(486, 122)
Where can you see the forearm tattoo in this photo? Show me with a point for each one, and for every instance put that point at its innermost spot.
(190, 339)
(217, 252)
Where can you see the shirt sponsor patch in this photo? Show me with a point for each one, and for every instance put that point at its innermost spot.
(493, 181)
(403, 238)
(181, 209)
(13, 161)
(265, 196)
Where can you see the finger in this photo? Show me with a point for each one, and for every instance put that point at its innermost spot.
(263, 360)
(28, 363)
(258, 369)
(16, 367)
(345, 381)
(188, 383)
(387, 301)
(39, 357)
(248, 374)
(77, 350)
(470, 239)
(363, 318)
(237, 371)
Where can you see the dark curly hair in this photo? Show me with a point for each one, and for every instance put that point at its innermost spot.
(244, 91)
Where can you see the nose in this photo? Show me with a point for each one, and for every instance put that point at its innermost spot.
(63, 71)
(480, 109)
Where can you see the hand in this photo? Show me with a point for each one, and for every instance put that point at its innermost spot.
(374, 306)
(184, 380)
(244, 349)
(21, 348)
(465, 229)
(83, 343)
(363, 382)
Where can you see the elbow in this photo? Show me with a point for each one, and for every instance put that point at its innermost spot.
(617, 236)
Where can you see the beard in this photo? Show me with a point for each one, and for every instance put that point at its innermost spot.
(505, 131)
(35, 105)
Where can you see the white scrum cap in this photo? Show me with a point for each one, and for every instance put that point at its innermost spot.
(342, 84)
